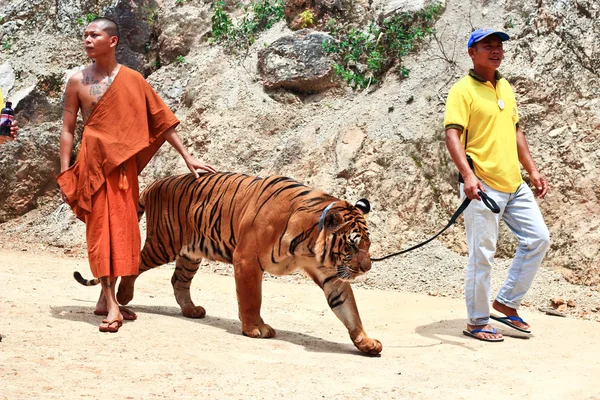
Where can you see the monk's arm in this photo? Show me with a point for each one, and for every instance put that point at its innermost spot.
(173, 138)
(70, 109)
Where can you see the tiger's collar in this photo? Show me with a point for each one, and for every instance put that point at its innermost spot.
(322, 219)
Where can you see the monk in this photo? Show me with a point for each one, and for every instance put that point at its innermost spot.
(125, 122)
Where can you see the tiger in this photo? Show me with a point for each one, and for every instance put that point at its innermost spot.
(273, 224)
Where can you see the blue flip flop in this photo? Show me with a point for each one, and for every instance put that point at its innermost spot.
(507, 321)
(474, 331)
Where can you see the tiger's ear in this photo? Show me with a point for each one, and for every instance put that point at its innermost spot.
(363, 205)
(333, 222)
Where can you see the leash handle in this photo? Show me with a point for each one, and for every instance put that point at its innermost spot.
(489, 202)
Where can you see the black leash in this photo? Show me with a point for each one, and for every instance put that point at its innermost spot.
(488, 201)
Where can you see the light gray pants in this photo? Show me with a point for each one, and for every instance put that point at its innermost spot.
(522, 215)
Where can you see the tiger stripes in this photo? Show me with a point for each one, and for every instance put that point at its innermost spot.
(259, 225)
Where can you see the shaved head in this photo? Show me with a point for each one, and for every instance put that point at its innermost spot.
(108, 25)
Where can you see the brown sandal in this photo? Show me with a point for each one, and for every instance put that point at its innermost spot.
(126, 312)
(108, 327)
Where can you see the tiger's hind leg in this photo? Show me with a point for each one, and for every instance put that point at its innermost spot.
(185, 269)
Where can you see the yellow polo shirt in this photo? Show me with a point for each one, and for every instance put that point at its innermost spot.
(488, 117)
(1, 100)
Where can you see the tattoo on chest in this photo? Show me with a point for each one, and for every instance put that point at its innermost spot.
(97, 87)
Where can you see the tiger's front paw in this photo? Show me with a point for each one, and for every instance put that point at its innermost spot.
(258, 331)
(192, 311)
(368, 345)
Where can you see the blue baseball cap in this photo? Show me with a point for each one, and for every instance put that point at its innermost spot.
(479, 34)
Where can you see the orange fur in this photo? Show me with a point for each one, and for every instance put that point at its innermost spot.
(257, 224)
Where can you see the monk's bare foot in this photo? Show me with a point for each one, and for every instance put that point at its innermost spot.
(102, 309)
(487, 335)
(510, 312)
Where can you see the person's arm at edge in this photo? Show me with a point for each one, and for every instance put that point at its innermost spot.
(472, 185)
(539, 183)
(14, 127)
(193, 164)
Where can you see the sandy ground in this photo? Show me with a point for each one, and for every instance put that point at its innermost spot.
(51, 347)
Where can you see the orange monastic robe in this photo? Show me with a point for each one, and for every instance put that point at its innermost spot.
(119, 138)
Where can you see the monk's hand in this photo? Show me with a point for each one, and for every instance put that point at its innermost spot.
(63, 197)
(539, 184)
(195, 165)
(14, 129)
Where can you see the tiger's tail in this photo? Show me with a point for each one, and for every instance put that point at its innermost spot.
(85, 282)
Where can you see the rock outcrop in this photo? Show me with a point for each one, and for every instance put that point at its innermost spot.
(298, 63)
(386, 144)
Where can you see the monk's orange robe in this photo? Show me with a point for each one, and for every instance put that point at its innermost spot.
(119, 138)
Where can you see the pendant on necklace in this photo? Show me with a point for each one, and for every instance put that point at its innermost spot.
(501, 104)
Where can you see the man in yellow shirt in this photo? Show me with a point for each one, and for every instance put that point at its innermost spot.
(488, 146)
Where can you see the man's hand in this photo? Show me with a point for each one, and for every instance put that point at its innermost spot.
(472, 186)
(14, 130)
(539, 183)
(194, 165)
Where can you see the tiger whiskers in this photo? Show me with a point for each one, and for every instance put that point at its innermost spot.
(345, 273)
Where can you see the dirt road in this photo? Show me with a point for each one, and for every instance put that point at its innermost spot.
(51, 347)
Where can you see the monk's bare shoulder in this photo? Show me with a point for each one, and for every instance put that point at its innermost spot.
(71, 99)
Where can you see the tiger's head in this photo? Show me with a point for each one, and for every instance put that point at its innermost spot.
(344, 242)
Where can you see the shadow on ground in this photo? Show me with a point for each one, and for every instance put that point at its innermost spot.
(449, 331)
(232, 326)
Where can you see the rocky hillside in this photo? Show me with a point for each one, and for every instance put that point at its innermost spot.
(277, 107)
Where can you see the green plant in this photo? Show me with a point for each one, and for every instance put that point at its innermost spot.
(403, 71)
(509, 23)
(364, 55)
(157, 64)
(6, 45)
(87, 18)
(221, 23)
(307, 18)
(152, 15)
(179, 2)
(180, 59)
(239, 36)
(330, 26)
